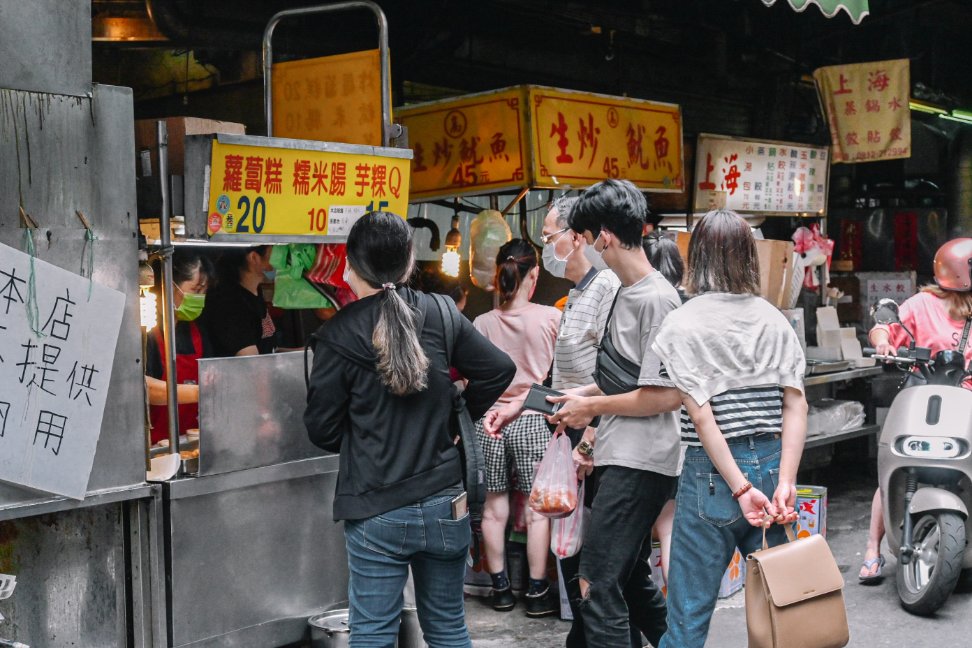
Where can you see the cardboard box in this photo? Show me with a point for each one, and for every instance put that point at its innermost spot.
(146, 138)
(775, 267)
(732, 580)
(812, 506)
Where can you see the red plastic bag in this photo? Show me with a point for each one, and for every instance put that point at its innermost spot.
(554, 491)
(567, 534)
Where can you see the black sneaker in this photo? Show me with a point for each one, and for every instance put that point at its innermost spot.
(541, 604)
(502, 600)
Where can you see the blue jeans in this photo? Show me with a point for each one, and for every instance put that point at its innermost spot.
(380, 550)
(709, 525)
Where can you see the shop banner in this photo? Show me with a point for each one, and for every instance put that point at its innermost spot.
(58, 333)
(530, 136)
(471, 145)
(331, 98)
(270, 191)
(581, 138)
(856, 10)
(867, 109)
(753, 176)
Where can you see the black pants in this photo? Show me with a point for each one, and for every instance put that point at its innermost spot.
(614, 561)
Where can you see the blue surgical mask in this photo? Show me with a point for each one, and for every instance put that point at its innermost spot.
(269, 275)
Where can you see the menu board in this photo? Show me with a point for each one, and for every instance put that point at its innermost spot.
(760, 177)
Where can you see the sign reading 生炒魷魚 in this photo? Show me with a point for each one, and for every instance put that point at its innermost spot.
(55, 378)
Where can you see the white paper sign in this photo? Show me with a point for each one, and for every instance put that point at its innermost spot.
(340, 218)
(54, 385)
(877, 289)
(761, 177)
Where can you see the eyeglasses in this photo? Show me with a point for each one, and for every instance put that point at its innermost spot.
(546, 238)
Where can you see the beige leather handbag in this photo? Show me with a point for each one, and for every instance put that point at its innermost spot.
(794, 596)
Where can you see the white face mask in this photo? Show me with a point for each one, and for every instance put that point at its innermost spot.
(554, 265)
(594, 257)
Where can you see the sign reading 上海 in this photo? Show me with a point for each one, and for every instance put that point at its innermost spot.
(55, 378)
(761, 177)
(271, 191)
(581, 138)
(469, 145)
(331, 98)
(867, 109)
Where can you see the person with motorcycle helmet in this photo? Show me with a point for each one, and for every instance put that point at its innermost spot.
(937, 318)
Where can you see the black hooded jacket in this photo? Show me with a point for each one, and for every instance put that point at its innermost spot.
(395, 450)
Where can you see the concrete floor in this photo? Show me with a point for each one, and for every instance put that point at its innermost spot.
(875, 616)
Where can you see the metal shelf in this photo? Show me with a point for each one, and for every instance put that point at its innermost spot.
(838, 376)
(842, 435)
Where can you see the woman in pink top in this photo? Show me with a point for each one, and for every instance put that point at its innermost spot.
(937, 317)
(527, 332)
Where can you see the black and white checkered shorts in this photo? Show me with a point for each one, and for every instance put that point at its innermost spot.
(522, 446)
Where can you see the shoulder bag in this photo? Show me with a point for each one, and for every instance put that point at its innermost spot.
(794, 596)
(614, 373)
(470, 452)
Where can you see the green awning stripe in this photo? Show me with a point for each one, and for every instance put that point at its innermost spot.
(856, 9)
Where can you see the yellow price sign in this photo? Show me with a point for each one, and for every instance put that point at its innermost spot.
(270, 191)
(581, 138)
(331, 98)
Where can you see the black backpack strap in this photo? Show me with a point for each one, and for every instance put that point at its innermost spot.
(965, 336)
(449, 327)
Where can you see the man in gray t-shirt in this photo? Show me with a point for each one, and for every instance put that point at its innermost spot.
(635, 449)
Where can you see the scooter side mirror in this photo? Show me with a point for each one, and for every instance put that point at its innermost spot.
(885, 312)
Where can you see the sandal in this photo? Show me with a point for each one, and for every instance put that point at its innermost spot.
(877, 576)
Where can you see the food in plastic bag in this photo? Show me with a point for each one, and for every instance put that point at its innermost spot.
(828, 415)
(567, 534)
(487, 234)
(554, 492)
(290, 290)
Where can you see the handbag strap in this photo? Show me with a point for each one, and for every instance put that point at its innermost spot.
(788, 527)
(448, 324)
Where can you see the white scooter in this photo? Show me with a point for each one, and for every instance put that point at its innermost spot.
(925, 473)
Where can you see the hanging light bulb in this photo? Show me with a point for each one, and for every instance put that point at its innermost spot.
(147, 301)
(453, 240)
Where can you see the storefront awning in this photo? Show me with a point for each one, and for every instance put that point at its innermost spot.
(856, 9)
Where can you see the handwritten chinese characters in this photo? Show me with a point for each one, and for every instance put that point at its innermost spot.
(761, 176)
(263, 190)
(56, 377)
(867, 109)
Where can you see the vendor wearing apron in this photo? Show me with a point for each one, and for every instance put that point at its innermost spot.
(191, 275)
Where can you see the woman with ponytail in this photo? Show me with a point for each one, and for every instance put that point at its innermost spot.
(380, 395)
(527, 332)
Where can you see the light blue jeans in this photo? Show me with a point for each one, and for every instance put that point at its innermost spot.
(380, 550)
(708, 526)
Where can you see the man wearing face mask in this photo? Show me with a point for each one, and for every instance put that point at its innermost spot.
(236, 315)
(635, 448)
(191, 275)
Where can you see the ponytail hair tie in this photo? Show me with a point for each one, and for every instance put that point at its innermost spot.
(510, 258)
(388, 286)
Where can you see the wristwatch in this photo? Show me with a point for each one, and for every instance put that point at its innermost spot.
(585, 448)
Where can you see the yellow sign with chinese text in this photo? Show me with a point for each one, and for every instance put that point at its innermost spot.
(867, 109)
(581, 138)
(471, 145)
(269, 191)
(331, 98)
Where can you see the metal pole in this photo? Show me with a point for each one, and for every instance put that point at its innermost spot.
(168, 308)
(388, 130)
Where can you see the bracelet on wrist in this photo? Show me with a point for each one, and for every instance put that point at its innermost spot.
(742, 490)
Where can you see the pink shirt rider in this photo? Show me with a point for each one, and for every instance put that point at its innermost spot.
(927, 317)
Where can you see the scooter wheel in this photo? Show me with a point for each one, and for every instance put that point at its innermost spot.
(925, 583)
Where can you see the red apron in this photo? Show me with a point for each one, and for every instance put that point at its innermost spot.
(187, 371)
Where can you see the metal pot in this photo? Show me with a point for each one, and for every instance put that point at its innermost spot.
(330, 630)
